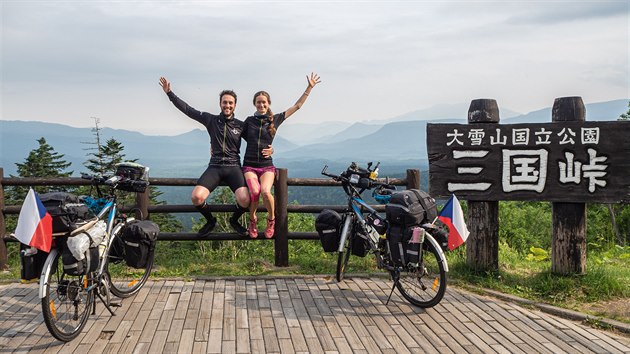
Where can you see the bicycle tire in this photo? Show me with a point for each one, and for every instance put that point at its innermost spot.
(66, 302)
(344, 256)
(124, 280)
(423, 286)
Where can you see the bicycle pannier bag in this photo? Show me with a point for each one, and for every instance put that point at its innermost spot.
(328, 226)
(395, 240)
(360, 244)
(116, 251)
(139, 238)
(77, 258)
(411, 207)
(32, 261)
(66, 210)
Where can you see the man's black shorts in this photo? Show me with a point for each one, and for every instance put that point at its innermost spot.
(215, 174)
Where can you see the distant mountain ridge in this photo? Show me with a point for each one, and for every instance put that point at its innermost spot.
(186, 155)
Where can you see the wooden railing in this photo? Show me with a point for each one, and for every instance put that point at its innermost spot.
(143, 207)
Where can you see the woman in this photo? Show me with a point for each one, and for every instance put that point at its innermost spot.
(259, 171)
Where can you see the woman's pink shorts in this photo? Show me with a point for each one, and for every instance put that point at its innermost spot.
(259, 171)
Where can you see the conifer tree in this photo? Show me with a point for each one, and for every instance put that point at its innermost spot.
(42, 162)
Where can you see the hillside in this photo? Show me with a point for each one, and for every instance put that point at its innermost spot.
(399, 143)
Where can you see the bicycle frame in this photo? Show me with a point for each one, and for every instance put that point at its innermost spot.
(354, 204)
(110, 208)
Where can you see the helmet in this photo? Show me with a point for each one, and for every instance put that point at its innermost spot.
(382, 195)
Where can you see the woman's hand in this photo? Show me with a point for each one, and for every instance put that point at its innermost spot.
(267, 152)
(313, 80)
(166, 86)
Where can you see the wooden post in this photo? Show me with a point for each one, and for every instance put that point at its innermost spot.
(4, 255)
(568, 246)
(482, 246)
(413, 179)
(281, 232)
(142, 204)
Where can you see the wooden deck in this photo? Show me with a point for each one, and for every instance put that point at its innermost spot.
(288, 315)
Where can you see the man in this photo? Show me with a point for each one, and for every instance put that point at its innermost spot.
(225, 161)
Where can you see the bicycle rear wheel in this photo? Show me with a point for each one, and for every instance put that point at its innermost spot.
(66, 302)
(423, 286)
(124, 280)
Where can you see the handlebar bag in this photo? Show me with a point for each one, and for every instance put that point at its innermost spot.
(328, 226)
(136, 177)
(66, 210)
(139, 238)
(411, 207)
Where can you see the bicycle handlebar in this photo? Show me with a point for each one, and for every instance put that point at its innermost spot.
(113, 181)
(356, 181)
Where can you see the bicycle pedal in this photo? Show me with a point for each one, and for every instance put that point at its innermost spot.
(115, 304)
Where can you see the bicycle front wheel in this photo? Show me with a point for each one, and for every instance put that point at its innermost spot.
(66, 302)
(124, 280)
(344, 255)
(423, 286)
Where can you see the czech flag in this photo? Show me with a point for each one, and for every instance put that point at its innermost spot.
(34, 227)
(452, 215)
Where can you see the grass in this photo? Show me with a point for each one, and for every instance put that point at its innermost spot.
(603, 291)
(607, 281)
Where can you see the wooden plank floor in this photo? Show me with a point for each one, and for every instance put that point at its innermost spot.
(298, 315)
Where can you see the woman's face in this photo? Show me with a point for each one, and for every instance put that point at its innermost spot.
(262, 104)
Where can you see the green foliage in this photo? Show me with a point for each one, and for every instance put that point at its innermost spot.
(537, 254)
(625, 116)
(525, 224)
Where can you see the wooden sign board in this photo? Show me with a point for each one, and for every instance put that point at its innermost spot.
(559, 161)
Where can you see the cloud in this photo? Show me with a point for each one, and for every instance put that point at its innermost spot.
(69, 60)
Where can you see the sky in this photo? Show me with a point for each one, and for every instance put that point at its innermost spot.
(71, 61)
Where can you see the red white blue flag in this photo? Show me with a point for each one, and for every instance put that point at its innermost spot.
(34, 227)
(452, 215)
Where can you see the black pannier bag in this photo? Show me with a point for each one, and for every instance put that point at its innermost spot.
(139, 238)
(403, 248)
(328, 226)
(411, 207)
(66, 210)
(395, 243)
(116, 251)
(360, 245)
(73, 265)
(32, 261)
(440, 235)
(407, 210)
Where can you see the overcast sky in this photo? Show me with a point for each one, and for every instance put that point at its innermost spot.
(68, 61)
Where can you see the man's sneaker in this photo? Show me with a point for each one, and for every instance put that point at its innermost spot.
(270, 228)
(252, 229)
(237, 226)
(208, 227)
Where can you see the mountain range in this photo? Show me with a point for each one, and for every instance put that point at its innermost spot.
(303, 148)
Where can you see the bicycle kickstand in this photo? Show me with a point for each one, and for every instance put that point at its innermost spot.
(392, 292)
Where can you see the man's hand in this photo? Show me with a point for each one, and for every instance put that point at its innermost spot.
(267, 152)
(166, 86)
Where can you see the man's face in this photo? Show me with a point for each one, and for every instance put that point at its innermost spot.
(228, 103)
